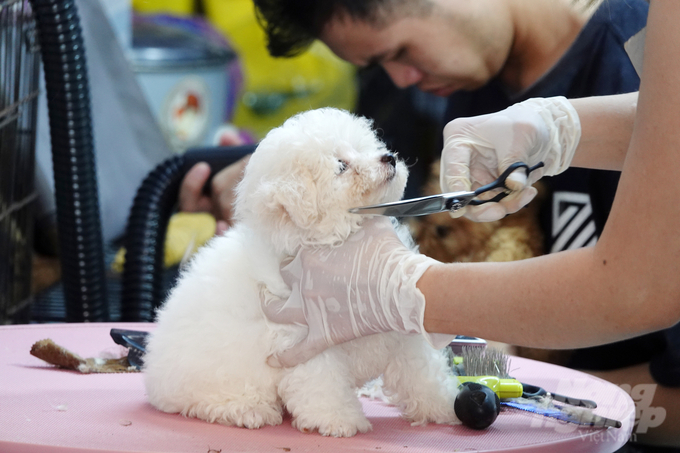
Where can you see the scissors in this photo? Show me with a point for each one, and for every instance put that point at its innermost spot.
(452, 201)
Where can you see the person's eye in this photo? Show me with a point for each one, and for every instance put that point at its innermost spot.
(342, 166)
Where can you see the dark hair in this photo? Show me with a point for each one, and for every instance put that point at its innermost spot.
(292, 25)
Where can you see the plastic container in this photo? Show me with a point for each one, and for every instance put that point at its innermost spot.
(185, 78)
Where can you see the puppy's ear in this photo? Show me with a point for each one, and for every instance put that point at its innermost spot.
(292, 199)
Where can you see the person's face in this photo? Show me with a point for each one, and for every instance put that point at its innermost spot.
(460, 44)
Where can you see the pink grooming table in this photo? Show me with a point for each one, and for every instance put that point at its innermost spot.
(44, 409)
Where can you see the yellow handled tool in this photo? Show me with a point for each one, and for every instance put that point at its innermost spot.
(504, 388)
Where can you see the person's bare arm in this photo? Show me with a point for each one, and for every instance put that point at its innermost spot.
(606, 128)
(627, 284)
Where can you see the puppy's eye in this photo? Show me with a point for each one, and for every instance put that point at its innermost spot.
(342, 166)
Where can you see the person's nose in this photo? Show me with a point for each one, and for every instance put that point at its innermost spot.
(402, 75)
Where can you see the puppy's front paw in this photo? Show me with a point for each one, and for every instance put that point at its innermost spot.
(259, 417)
(251, 417)
(333, 426)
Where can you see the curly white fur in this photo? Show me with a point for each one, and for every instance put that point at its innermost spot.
(207, 357)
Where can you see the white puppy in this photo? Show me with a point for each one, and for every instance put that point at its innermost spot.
(207, 357)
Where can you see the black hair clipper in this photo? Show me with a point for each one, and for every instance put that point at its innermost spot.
(135, 341)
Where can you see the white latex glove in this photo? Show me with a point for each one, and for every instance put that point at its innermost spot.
(478, 149)
(365, 286)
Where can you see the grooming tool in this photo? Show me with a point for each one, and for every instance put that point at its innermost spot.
(457, 344)
(476, 405)
(479, 364)
(504, 388)
(135, 341)
(478, 401)
(577, 415)
(452, 201)
(489, 367)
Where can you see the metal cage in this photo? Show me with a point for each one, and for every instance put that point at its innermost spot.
(19, 72)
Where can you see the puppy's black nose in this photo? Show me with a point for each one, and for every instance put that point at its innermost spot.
(389, 159)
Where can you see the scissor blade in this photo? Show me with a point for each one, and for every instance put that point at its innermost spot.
(409, 208)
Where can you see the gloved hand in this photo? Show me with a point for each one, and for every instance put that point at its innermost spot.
(365, 286)
(478, 149)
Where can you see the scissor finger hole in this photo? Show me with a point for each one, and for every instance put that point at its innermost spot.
(516, 180)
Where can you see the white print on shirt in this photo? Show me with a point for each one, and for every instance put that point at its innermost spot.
(573, 225)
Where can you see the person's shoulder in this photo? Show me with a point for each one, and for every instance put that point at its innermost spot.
(622, 18)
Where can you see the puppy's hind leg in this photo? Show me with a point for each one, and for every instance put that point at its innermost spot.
(248, 407)
(321, 396)
(230, 385)
(417, 380)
